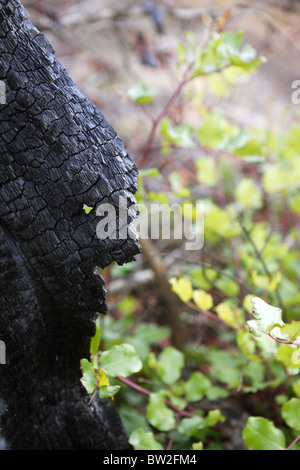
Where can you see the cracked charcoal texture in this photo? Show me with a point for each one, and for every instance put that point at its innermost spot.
(58, 152)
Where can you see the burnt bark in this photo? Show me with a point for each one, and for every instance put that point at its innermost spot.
(58, 153)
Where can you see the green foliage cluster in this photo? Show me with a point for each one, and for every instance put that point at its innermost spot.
(247, 287)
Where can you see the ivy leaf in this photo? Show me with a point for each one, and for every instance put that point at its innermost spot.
(102, 379)
(267, 318)
(95, 341)
(197, 446)
(151, 333)
(212, 132)
(244, 57)
(196, 386)
(206, 171)
(179, 135)
(213, 417)
(120, 360)
(231, 42)
(275, 178)
(296, 388)
(139, 93)
(191, 426)
(108, 391)
(289, 356)
(88, 378)
(291, 413)
(87, 209)
(227, 313)
(244, 144)
(292, 331)
(142, 440)
(158, 413)
(203, 300)
(248, 194)
(170, 364)
(261, 434)
(183, 288)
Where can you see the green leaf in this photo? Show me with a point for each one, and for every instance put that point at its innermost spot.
(296, 388)
(191, 426)
(139, 93)
(179, 135)
(87, 209)
(206, 171)
(88, 379)
(171, 362)
(213, 417)
(132, 418)
(246, 342)
(196, 386)
(228, 286)
(201, 277)
(108, 391)
(220, 221)
(248, 194)
(291, 331)
(158, 414)
(151, 333)
(244, 57)
(261, 434)
(95, 341)
(226, 367)
(231, 42)
(128, 304)
(275, 178)
(267, 318)
(141, 440)
(215, 392)
(289, 356)
(212, 131)
(120, 360)
(291, 413)
(197, 446)
(244, 144)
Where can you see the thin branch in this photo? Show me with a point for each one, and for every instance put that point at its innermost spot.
(171, 440)
(141, 158)
(293, 443)
(214, 268)
(144, 391)
(210, 315)
(262, 261)
(283, 342)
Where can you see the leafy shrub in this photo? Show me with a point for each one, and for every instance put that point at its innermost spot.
(245, 283)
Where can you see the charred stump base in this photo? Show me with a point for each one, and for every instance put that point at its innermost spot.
(58, 153)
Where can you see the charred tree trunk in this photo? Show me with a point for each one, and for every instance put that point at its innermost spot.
(58, 153)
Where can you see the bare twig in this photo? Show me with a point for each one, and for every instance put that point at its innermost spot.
(262, 261)
(144, 391)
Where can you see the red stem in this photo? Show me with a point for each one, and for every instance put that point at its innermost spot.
(144, 391)
(156, 121)
(294, 442)
(283, 342)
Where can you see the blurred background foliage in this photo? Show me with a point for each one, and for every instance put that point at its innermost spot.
(201, 94)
